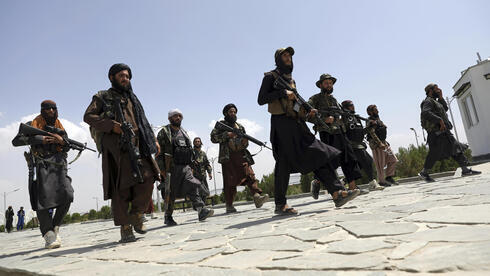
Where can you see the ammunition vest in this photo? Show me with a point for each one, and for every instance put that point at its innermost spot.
(284, 105)
(107, 98)
(439, 111)
(182, 148)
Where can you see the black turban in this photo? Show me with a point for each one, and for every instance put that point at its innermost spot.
(118, 67)
(47, 104)
(228, 107)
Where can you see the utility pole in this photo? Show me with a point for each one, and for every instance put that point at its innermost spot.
(416, 137)
(96, 203)
(5, 198)
(214, 174)
(159, 206)
(452, 118)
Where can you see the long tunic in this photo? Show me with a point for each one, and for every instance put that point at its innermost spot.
(116, 163)
(292, 141)
(52, 186)
(442, 144)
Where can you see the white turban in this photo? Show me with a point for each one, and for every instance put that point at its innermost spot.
(174, 112)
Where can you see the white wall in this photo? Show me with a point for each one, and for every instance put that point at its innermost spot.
(478, 135)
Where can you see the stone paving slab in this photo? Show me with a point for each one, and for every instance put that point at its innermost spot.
(417, 227)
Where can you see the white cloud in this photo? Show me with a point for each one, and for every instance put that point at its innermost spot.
(1, 114)
(86, 171)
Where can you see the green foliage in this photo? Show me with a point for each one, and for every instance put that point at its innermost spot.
(67, 219)
(267, 184)
(305, 182)
(76, 217)
(2, 228)
(294, 189)
(92, 214)
(411, 161)
(105, 212)
(31, 224)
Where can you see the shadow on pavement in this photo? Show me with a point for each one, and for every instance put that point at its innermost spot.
(82, 250)
(21, 253)
(257, 222)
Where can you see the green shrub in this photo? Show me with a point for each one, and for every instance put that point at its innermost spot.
(305, 182)
(92, 214)
(76, 217)
(2, 228)
(105, 212)
(67, 219)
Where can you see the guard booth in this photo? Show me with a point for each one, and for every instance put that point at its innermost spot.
(472, 92)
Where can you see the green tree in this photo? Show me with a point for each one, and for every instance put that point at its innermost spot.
(67, 219)
(105, 212)
(267, 184)
(75, 217)
(92, 214)
(305, 182)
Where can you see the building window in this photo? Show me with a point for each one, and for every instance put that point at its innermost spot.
(470, 111)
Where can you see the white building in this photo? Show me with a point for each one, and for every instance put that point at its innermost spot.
(472, 92)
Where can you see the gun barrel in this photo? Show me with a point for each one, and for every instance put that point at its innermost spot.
(244, 135)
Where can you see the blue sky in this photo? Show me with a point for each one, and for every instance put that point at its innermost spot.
(200, 55)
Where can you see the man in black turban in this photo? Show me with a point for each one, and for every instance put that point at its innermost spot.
(120, 185)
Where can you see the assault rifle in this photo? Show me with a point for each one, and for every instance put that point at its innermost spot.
(281, 82)
(28, 130)
(241, 134)
(126, 144)
(337, 111)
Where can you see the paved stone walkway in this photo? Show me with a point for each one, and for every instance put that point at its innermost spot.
(414, 227)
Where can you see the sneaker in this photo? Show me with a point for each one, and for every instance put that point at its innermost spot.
(169, 221)
(205, 213)
(392, 181)
(342, 200)
(315, 188)
(470, 172)
(136, 220)
(127, 234)
(57, 233)
(230, 209)
(260, 200)
(426, 177)
(51, 241)
(374, 186)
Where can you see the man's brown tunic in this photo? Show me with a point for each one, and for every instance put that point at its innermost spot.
(118, 182)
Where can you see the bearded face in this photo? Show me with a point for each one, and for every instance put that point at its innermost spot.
(197, 143)
(176, 120)
(121, 81)
(49, 113)
(230, 116)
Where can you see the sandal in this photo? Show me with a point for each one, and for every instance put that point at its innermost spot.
(285, 211)
(341, 199)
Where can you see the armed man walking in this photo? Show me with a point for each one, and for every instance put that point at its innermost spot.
(126, 141)
(201, 167)
(176, 157)
(334, 135)
(47, 160)
(295, 148)
(356, 133)
(441, 141)
(382, 153)
(235, 159)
